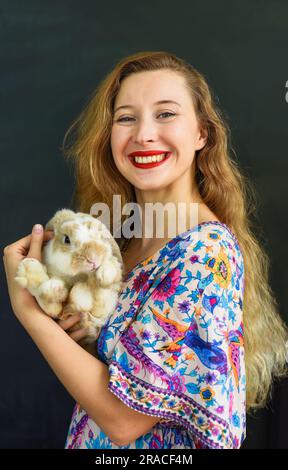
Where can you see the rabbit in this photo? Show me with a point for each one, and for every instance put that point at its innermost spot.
(81, 271)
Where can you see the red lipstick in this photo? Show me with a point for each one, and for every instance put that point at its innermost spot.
(148, 153)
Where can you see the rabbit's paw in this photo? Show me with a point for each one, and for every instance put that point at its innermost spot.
(53, 290)
(31, 273)
(109, 272)
(103, 274)
(81, 297)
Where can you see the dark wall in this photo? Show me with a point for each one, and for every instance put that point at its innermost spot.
(53, 54)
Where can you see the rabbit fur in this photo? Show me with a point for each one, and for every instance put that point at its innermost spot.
(81, 271)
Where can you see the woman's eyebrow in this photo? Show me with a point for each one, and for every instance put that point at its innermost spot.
(157, 102)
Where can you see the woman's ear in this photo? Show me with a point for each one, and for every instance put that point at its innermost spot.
(202, 138)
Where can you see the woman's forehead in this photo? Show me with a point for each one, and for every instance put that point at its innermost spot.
(151, 86)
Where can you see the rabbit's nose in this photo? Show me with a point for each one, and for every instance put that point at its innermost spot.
(93, 262)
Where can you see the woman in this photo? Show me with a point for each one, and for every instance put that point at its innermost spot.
(188, 350)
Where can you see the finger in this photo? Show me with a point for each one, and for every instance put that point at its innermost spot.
(22, 245)
(37, 237)
(69, 322)
(79, 334)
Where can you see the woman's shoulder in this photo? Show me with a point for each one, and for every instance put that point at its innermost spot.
(209, 228)
(211, 232)
(211, 246)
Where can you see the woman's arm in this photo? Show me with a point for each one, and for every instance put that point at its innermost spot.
(85, 377)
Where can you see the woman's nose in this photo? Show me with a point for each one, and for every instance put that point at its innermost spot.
(145, 131)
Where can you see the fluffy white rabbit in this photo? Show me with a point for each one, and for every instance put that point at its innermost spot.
(81, 271)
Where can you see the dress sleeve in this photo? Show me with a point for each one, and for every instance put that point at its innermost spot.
(182, 358)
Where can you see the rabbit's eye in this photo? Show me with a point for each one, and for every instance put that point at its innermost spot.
(67, 240)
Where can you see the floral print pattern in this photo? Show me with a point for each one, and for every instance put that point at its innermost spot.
(174, 346)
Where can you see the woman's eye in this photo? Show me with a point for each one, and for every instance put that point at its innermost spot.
(67, 240)
(122, 119)
(127, 117)
(167, 112)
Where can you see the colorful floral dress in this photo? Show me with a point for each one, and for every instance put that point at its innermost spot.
(174, 346)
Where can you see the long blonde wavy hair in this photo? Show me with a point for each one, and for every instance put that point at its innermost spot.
(223, 188)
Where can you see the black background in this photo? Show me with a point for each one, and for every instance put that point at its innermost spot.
(52, 56)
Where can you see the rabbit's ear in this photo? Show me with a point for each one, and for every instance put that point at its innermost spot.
(115, 248)
(107, 236)
(59, 217)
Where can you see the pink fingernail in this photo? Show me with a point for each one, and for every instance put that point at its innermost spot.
(37, 228)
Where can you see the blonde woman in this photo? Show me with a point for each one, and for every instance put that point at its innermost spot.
(196, 338)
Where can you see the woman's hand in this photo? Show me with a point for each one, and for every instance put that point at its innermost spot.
(68, 324)
(22, 301)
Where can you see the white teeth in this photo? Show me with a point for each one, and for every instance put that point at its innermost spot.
(151, 158)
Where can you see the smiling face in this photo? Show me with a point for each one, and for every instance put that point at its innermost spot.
(162, 127)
